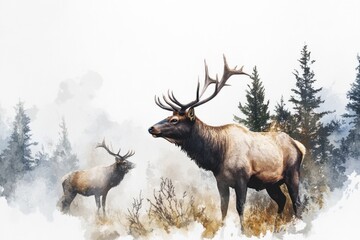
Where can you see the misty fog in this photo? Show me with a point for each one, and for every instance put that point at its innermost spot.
(35, 203)
(97, 66)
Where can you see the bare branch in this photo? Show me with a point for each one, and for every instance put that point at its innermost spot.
(133, 216)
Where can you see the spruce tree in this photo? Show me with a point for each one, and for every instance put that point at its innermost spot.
(63, 158)
(3, 130)
(309, 129)
(46, 168)
(353, 108)
(283, 120)
(331, 156)
(16, 158)
(256, 109)
(2, 175)
(306, 102)
(324, 151)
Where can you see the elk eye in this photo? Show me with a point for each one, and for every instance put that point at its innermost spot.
(174, 120)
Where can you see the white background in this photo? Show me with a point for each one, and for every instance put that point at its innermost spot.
(143, 48)
(99, 64)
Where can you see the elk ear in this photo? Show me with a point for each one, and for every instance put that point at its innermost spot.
(191, 114)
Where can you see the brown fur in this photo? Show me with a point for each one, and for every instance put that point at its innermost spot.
(96, 181)
(238, 158)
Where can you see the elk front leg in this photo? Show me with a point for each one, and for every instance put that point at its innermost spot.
(224, 198)
(103, 202)
(97, 200)
(240, 191)
(66, 200)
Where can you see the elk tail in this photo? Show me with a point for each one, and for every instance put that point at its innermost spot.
(301, 148)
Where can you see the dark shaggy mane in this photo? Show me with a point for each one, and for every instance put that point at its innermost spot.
(206, 146)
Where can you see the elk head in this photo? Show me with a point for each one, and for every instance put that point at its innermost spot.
(178, 127)
(120, 161)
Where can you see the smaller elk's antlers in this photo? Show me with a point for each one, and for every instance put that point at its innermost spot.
(117, 155)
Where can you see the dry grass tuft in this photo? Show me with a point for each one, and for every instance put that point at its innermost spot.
(261, 215)
(136, 227)
(167, 210)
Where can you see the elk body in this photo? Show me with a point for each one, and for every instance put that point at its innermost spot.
(96, 181)
(238, 157)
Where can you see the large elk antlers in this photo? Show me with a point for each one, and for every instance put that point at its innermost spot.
(175, 105)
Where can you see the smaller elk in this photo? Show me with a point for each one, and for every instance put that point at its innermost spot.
(96, 181)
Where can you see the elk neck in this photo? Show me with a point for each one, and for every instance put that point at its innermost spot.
(117, 174)
(206, 145)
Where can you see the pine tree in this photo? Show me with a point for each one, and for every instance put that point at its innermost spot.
(333, 157)
(324, 151)
(3, 131)
(309, 129)
(283, 120)
(2, 175)
(63, 159)
(255, 110)
(16, 158)
(306, 103)
(354, 96)
(340, 155)
(45, 168)
(353, 108)
(324, 154)
(353, 141)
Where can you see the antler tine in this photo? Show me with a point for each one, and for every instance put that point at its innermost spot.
(100, 144)
(176, 108)
(228, 72)
(216, 91)
(208, 80)
(175, 105)
(128, 154)
(220, 84)
(132, 153)
(103, 145)
(173, 98)
(159, 103)
(182, 107)
(190, 104)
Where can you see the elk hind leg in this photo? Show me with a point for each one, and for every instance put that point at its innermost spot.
(278, 196)
(292, 183)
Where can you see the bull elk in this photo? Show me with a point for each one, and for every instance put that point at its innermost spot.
(238, 157)
(96, 181)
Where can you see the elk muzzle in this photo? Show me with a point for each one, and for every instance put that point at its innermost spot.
(155, 130)
(128, 166)
(175, 128)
